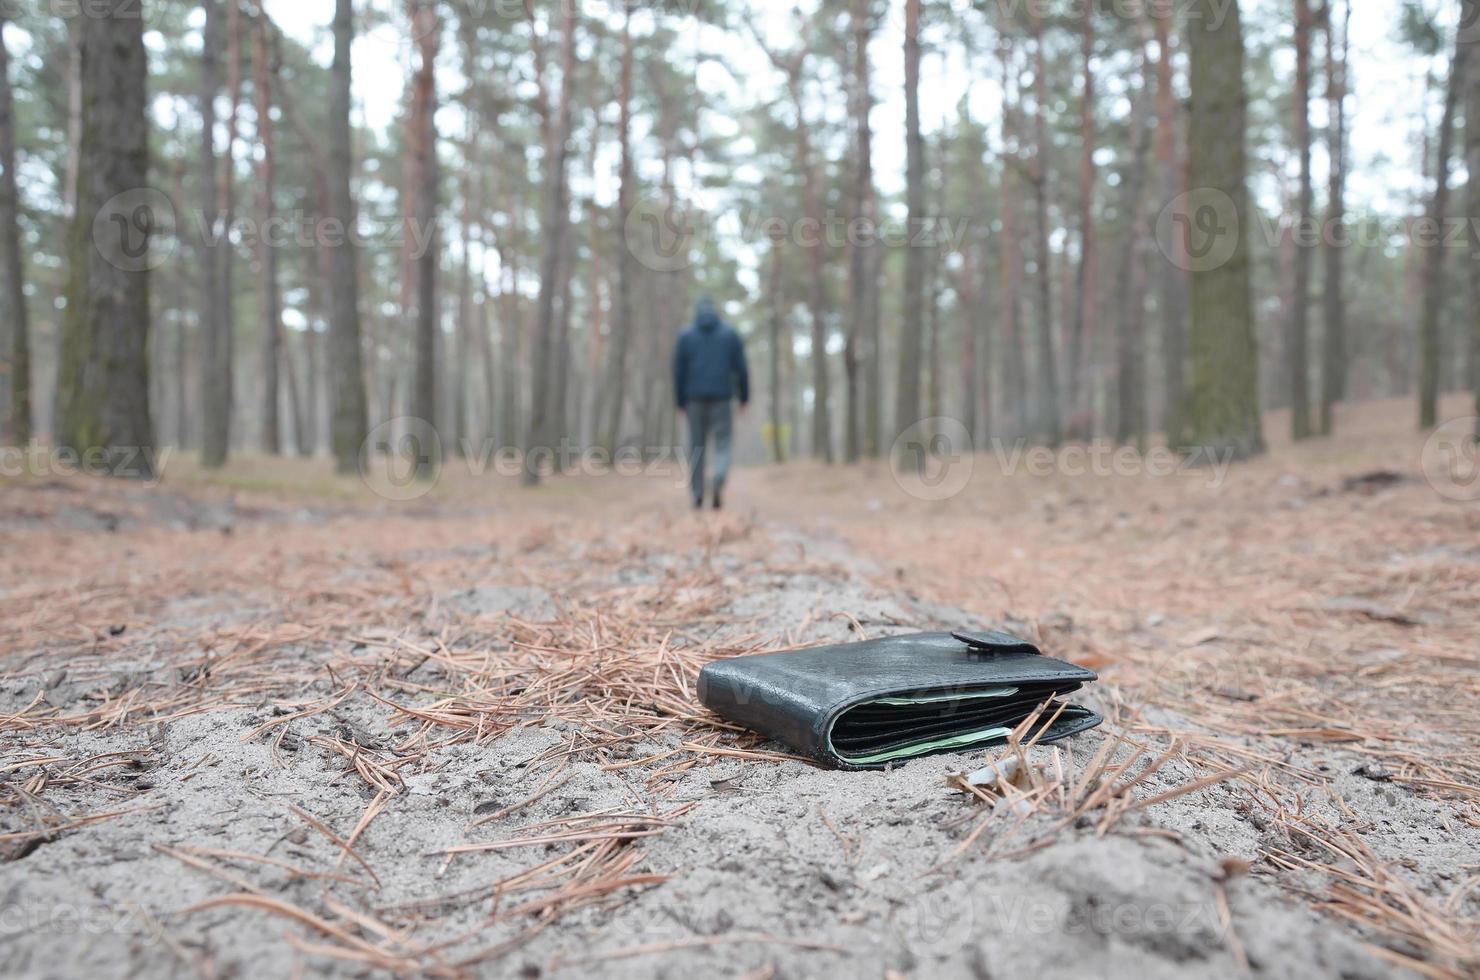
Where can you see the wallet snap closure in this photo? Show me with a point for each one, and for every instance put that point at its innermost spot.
(993, 641)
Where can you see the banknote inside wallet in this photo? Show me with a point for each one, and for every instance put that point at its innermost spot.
(901, 727)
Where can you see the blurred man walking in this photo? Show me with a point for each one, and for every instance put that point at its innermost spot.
(708, 371)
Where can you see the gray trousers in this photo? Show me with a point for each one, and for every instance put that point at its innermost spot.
(708, 418)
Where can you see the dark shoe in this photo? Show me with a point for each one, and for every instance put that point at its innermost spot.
(716, 498)
(698, 503)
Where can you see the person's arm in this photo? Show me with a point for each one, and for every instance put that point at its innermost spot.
(742, 373)
(680, 373)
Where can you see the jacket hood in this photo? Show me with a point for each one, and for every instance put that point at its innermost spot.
(705, 317)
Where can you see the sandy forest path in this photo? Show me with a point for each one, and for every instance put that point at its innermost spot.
(267, 730)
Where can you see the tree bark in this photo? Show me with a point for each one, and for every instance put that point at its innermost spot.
(422, 148)
(861, 255)
(268, 297)
(907, 402)
(1173, 278)
(1130, 424)
(213, 393)
(616, 374)
(1009, 298)
(347, 384)
(553, 226)
(12, 274)
(1223, 406)
(1048, 427)
(1430, 342)
(1299, 343)
(774, 330)
(1079, 402)
(103, 370)
(1333, 348)
(1470, 20)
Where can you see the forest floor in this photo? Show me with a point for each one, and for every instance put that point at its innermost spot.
(266, 723)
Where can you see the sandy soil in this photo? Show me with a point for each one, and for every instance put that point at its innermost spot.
(244, 727)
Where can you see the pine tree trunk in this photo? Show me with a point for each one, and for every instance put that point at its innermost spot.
(1086, 279)
(16, 408)
(1470, 18)
(1300, 306)
(1333, 348)
(1172, 281)
(423, 148)
(1011, 260)
(817, 305)
(616, 371)
(1433, 272)
(347, 377)
(466, 317)
(268, 299)
(1223, 404)
(773, 325)
(212, 393)
(1047, 396)
(1130, 425)
(553, 228)
(907, 403)
(860, 257)
(103, 370)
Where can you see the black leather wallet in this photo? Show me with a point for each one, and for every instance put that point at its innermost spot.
(864, 705)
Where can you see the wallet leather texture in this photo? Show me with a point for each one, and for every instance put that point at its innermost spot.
(864, 705)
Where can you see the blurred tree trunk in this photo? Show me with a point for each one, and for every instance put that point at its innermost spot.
(590, 420)
(1014, 368)
(858, 346)
(794, 67)
(1130, 284)
(560, 380)
(1300, 306)
(347, 385)
(103, 370)
(1223, 404)
(1470, 16)
(467, 315)
(773, 324)
(1080, 403)
(215, 450)
(422, 180)
(907, 403)
(1333, 356)
(1433, 270)
(616, 374)
(17, 407)
(268, 297)
(214, 340)
(306, 413)
(935, 387)
(1173, 278)
(553, 228)
(1047, 424)
(816, 254)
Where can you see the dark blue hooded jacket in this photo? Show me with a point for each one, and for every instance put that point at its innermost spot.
(709, 360)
